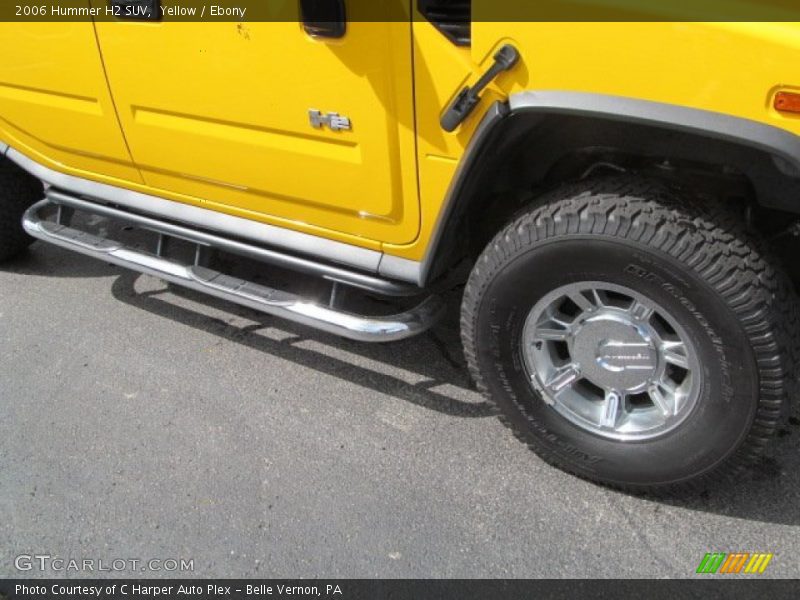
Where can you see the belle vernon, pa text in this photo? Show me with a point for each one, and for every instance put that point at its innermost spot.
(212, 10)
(136, 589)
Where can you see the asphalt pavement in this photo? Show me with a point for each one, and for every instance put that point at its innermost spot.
(139, 421)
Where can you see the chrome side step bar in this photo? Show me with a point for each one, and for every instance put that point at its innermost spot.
(242, 248)
(196, 277)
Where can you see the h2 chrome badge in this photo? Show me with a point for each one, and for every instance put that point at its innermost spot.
(335, 121)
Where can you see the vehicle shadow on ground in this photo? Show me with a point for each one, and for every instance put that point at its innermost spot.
(770, 493)
(446, 370)
(433, 360)
(44, 260)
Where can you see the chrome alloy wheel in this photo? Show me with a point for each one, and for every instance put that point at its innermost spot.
(611, 361)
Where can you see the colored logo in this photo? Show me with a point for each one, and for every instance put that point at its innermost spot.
(736, 562)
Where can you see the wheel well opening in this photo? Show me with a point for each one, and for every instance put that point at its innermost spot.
(529, 154)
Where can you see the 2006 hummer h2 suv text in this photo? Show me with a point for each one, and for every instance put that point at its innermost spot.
(618, 196)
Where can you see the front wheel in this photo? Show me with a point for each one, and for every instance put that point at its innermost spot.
(630, 337)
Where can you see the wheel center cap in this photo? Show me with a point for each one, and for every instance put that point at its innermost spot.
(615, 353)
(617, 356)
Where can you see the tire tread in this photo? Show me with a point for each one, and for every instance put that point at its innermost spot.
(707, 238)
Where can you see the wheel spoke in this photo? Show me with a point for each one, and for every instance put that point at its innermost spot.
(641, 312)
(560, 322)
(597, 299)
(581, 301)
(668, 386)
(661, 401)
(548, 334)
(675, 354)
(564, 378)
(611, 409)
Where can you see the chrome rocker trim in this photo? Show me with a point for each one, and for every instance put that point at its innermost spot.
(255, 296)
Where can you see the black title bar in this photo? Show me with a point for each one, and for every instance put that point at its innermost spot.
(401, 10)
(398, 589)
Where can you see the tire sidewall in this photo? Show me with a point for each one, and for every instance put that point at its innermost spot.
(727, 402)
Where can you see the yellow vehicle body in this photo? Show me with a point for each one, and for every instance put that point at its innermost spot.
(215, 114)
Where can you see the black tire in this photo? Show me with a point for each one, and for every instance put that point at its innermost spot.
(696, 261)
(18, 191)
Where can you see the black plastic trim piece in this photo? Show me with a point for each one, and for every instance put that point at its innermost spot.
(453, 18)
(466, 101)
(324, 18)
(778, 142)
(466, 172)
(782, 146)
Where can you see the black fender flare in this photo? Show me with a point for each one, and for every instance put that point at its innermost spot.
(779, 149)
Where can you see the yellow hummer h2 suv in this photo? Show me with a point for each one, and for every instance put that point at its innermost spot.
(619, 196)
